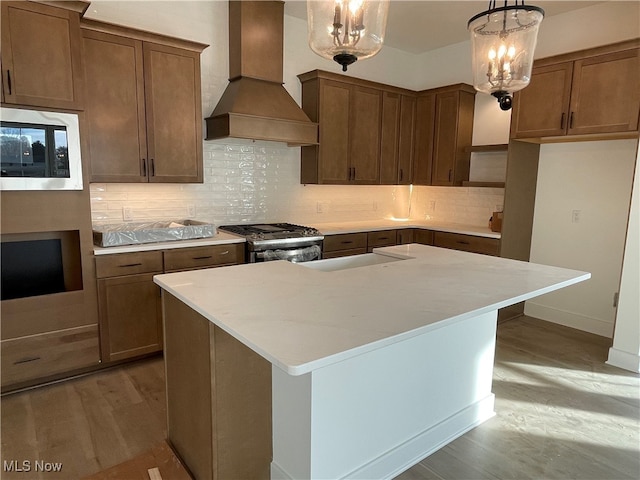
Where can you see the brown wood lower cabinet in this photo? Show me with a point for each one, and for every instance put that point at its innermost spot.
(48, 354)
(129, 301)
(424, 237)
(130, 316)
(344, 244)
(467, 243)
(218, 398)
(381, 238)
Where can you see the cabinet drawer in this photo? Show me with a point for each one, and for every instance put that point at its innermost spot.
(468, 243)
(201, 257)
(39, 356)
(128, 264)
(382, 238)
(344, 241)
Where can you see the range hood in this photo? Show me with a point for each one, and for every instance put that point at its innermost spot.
(255, 104)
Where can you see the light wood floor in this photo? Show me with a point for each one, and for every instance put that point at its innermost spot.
(562, 413)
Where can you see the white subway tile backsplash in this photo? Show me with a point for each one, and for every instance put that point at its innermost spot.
(246, 181)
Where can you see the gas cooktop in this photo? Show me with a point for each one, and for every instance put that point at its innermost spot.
(271, 231)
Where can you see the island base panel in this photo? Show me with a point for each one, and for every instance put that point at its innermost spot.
(218, 398)
(377, 414)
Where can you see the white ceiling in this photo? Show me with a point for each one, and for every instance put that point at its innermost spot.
(419, 26)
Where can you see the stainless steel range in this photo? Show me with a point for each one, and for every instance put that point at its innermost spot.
(279, 241)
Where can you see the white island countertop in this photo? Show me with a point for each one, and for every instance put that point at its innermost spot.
(301, 318)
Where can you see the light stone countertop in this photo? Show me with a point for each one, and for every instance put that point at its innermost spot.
(332, 228)
(329, 228)
(301, 318)
(220, 238)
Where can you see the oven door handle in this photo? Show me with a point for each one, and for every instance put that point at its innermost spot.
(305, 254)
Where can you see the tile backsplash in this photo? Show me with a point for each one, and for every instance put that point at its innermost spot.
(247, 181)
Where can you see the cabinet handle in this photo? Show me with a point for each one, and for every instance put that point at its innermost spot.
(346, 242)
(401, 174)
(202, 258)
(383, 238)
(144, 167)
(226, 252)
(463, 242)
(562, 121)
(450, 172)
(153, 168)
(571, 120)
(130, 265)
(9, 80)
(26, 360)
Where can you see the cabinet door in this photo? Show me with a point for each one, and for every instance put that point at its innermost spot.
(452, 135)
(542, 108)
(424, 131)
(333, 162)
(389, 138)
(424, 237)
(173, 113)
(364, 135)
(406, 139)
(130, 316)
(41, 60)
(444, 146)
(115, 110)
(605, 95)
(406, 235)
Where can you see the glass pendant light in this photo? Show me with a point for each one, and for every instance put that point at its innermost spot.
(503, 40)
(346, 30)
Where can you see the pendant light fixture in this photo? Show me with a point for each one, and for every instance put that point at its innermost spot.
(346, 30)
(503, 40)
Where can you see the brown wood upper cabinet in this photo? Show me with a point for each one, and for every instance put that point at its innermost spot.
(452, 108)
(143, 105)
(41, 58)
(397, 138)
(594, 91)
(349, 114)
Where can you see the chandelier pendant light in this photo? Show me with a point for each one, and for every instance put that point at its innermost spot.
(346, 30)
(503, 41)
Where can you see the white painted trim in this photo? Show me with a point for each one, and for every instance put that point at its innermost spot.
(569, 319)
(624, 360)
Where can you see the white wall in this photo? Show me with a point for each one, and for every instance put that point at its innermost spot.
(594, 179)
(625, 352)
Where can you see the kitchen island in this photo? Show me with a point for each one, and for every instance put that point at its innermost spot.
(356, 367)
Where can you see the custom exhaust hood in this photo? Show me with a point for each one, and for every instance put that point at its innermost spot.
(255, 104)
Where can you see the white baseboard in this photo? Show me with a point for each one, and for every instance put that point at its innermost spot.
(407, 454)
(624, 360)
(569, 319)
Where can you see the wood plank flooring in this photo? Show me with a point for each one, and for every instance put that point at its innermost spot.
(562, 413)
